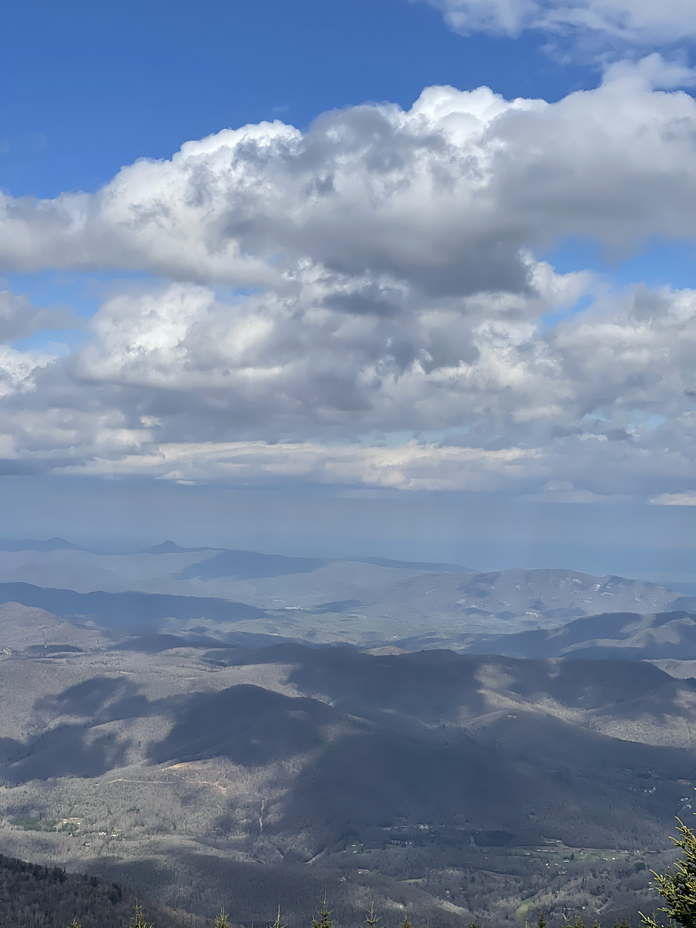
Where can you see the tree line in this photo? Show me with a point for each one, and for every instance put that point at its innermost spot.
(35, 896)
(677, 886)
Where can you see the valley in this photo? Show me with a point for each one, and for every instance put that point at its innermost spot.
(388, 777)
(221, 759)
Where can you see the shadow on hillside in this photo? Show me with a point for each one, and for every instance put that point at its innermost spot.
(101, 699)
(531, 776)
(246, 724)
(442, 686)
(447, 719)
(65, 751)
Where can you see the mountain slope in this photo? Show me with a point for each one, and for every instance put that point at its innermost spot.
(28, 544)
(347, 770)
(365, 601)
(618, 636)
(130, 610)
(25, 627)
(35, 896)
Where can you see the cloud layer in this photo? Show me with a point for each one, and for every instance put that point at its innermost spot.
(446, 197)
(641, 22)
(362, 304)
(178, 385)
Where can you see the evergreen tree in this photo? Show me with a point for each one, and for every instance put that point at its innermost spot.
(541, 920)
(222, 920)
(278, 923)
(372, 920)
(678, 886)
(324, 920)
(138, 920)
(406, 923)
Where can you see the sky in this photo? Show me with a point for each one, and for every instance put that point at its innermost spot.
(409, 278)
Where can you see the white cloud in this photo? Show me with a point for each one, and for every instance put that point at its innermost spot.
(176, 384)
(674, 499)
(397, 331)
(413, 466)
(335, 359)
(642, 22)
(17, 369)
(652, 71)
(447, 197)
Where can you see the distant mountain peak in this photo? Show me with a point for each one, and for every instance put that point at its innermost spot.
(171, 547)
(30, 544)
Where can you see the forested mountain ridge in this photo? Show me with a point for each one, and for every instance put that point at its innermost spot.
(36, 896)
(434, 780)
(615, 635)
(366, 601)
(215, 749)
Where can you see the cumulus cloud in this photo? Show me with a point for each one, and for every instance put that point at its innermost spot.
(388, 322)
(20, 318)
(641, 22)
(467, 394)
(447, 197)
(334, 359)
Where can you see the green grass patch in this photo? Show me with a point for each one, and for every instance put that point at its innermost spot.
(33, 824)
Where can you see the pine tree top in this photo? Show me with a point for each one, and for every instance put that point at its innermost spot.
(138, 920)
(324, 920)
(678, 886)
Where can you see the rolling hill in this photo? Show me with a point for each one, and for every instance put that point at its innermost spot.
(287, 768)
(616, 636)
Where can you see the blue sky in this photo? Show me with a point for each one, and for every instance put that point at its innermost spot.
(101, 85)
(94, 86)
(443, 301)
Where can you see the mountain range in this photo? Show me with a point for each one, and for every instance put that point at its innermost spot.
(615, 635)
(364, 601)
(207, 775)
(218, 727)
